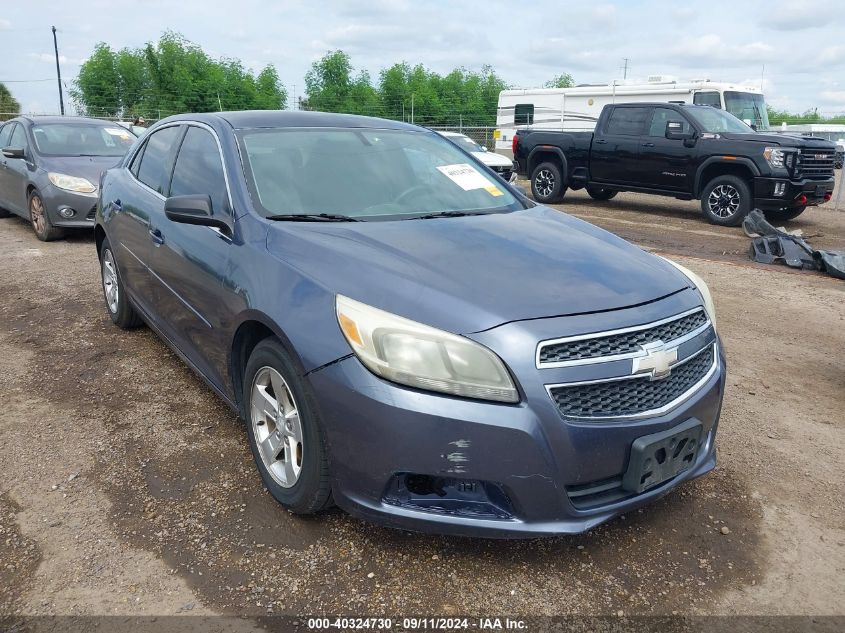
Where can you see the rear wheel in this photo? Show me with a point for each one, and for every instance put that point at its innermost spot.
(285, 432)
(783, 215)
(726, 200)
(41, 225)
(547, 183)
(601, 193)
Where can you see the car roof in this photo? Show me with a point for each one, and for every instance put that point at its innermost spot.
(293, 118)
(62, 119)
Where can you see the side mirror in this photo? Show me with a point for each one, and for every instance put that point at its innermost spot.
(194, 209)
(14, 152)
(484, 147)
(675, 131)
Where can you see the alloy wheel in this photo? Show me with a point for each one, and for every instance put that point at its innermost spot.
(723, 201)
(544, 183)
(36, 214)
(110, 281)
(276, 426)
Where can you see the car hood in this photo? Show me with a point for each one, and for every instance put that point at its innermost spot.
(88, 167)
(783, 140)
(468, 274)
(492, 159)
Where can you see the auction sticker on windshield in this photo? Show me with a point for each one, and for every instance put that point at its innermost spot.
(465, 176)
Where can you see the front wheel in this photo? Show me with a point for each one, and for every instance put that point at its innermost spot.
(784, 215)
(41, 225)
(547, 183)
(726, 200)
(601, 193)
(121, 311)
(285, 432)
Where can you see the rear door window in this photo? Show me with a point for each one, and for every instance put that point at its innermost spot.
(6, 134)
(199, 169)
(156, 163)
(627, 121)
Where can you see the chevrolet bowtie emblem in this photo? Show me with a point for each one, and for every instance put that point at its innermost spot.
(657, 362)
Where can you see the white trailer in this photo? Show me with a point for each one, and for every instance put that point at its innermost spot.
(578, 109)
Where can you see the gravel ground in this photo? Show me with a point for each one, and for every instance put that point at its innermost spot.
(127, 487)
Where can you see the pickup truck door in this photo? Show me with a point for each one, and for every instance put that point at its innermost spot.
(666, 163)
(615, 150)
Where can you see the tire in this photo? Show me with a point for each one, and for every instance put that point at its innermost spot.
(4, 213)
(547, 183)
(784, 215)
(120, 309)
(292, 457)
(726, 200)
(600, 193)
(40, 220)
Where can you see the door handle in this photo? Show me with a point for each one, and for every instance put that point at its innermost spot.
(601, 141)
(648, 144)
(116, 205)
(157, 237)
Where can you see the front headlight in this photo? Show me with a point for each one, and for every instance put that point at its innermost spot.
(420, 356)
(71, 183)
(702, 288)
(775, 156)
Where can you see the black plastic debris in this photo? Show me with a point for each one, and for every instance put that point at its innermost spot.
(770, 246)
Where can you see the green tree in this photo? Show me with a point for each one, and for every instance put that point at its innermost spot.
(563, 80)
(170, 76)
(9, 106)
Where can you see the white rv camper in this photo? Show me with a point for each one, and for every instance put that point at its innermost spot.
(578, 109)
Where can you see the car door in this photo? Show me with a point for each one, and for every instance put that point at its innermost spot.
(189, 262)
(614, 154)
(129, 205)
(5, 135)
(17, 172)
(666, 163)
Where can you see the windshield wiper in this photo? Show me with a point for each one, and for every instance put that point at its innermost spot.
(311, 217)
(446, 214)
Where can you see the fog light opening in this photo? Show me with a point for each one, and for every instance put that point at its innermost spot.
(469, 498)
(67, 212)
(780, 188)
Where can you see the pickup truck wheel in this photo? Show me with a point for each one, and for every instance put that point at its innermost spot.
(782, 215)
(547, 183)
(726, 200)
(600, 193)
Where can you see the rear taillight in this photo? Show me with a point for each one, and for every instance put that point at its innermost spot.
(514, 143)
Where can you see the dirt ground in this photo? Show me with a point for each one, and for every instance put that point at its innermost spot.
(127, 487)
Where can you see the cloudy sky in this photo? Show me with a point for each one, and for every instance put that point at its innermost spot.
(800, 42)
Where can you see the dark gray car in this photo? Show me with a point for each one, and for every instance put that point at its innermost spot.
(50, 169)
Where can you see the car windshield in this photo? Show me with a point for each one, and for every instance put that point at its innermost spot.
(748, 107)
(466, 143)
(81, 139)
(366, 174)
(716, 121)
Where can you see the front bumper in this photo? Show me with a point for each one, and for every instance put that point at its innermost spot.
(83, 205)
(796, 193)
(532, 457)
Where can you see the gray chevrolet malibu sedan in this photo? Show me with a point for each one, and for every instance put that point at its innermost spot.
(50, 169)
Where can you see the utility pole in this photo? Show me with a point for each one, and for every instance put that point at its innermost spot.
(58, 73)
(219, 103)
(625, 68)
(412, 107)
(762, 74)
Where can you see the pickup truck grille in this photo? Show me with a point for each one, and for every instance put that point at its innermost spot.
(634, 396)
(816, 164)
(598, 347)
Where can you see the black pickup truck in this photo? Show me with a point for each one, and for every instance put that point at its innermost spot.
(686, 151)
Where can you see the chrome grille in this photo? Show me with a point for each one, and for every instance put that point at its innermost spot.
(816, 164)
(635, 395)
(628, 342)
(504, 172)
